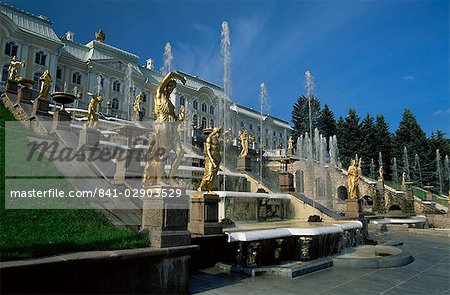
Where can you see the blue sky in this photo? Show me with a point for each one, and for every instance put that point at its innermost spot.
(375, 56)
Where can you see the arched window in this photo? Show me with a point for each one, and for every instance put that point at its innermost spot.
(250, 126)
(242, 124)
(115, 104)
(182, 101)
(5, 73)
(195, 120)
(11, 49)
(211, 110)
(76, 78)
(40, 58)
(203, 122)
(195, 105)
(57, 88)
(204, 107)
(36, 77)
(116, 86)
(211, 123)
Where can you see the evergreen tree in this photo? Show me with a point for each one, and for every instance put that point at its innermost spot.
(349, 137)
(327, 124)
(383, 143)
(368, 151)
(300, 115)
(437, 141)
(410, 135)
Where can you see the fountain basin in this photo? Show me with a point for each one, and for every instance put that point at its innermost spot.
(379, 256)
(63, 98)
(27, 83)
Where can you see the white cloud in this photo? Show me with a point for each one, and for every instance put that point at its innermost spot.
(408, 78)
(441, 112)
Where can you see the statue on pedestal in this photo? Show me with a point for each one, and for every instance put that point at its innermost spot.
(353, 179)
(137, 102)
(380, 174)
(212, 160)
(290, 143)
(14, 67)
(252, 140)
(243, 136)
(166, 136)
(46, 83)
(92, 110)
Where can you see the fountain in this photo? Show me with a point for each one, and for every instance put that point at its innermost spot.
(417, 170)
(372, 169)
(226, 55)
(406, 163)
(128, 90)
(61, 117)
(25, 92)
(264, 103)
(395, 171)
(167, 58)
(438, 171)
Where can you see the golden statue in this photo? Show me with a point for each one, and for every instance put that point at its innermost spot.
(46, 83)
(353, 180)
(403, 178)
(92, 110)
(243, 136)
(137, 102)
(14, 67)
(290, 143)
(380, 173)
(212, 160)
(166, 135)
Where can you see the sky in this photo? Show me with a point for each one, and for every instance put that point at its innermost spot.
(378, 57)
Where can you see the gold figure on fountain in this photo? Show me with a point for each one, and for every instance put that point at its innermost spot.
(46, 83)
(381, 173)
(137, 107)
(212, 160)
(14, 67)
(290, 143)
(243, 136)
(353, 179)
(166, 136)
(92, 110)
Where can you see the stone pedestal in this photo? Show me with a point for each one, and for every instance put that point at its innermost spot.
(61, 120)
(204, 214)
(286, 182)
(40, 107)
(379, 204)
(12, 86)
(290, 152)
(89, 137)
(24, 95)
(409, 195)
(135, 116)
(429, 196)
(166, 218)
(244, 164)
(353, 209)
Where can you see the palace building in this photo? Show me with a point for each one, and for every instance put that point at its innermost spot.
(81, 68)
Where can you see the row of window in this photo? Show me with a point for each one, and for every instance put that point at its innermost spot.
(203, 122)
(250, 127)
(11, 48)
(195, 105)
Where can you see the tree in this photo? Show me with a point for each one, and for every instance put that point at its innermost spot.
(383, 143)
(368, 151)
(409, 134)
(327, 124)
(349, 137)
(300, 115)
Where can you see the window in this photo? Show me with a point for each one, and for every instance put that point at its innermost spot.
(259, 128)
(211, 110)
(40, 58)
(58, 73)
(11, 49)
(144, 96)
(195, 120)
(76, 78)
(143, 111)
(242, 124)
(281, 135)
(250, 126)
(274, 133)
(115, 104)
(204, 107)
(211, 123)
(195, 105)
(203, 122)
(36, 77)
(57, 88)
(116, 86)
(182, 101)
(5, 73)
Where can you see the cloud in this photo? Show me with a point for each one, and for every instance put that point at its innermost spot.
(441, 112)
(408, 78)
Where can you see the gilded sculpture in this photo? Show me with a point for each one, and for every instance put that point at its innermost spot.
(165, 137)
(243, 136)
(252, 140)
(290, 143)
(212, 160)
(46, 83)
(92, 110)
(14, 67)
(353, 180)
(380, 174)
(137, 102)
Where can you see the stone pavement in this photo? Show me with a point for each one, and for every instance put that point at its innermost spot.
(429, 273)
